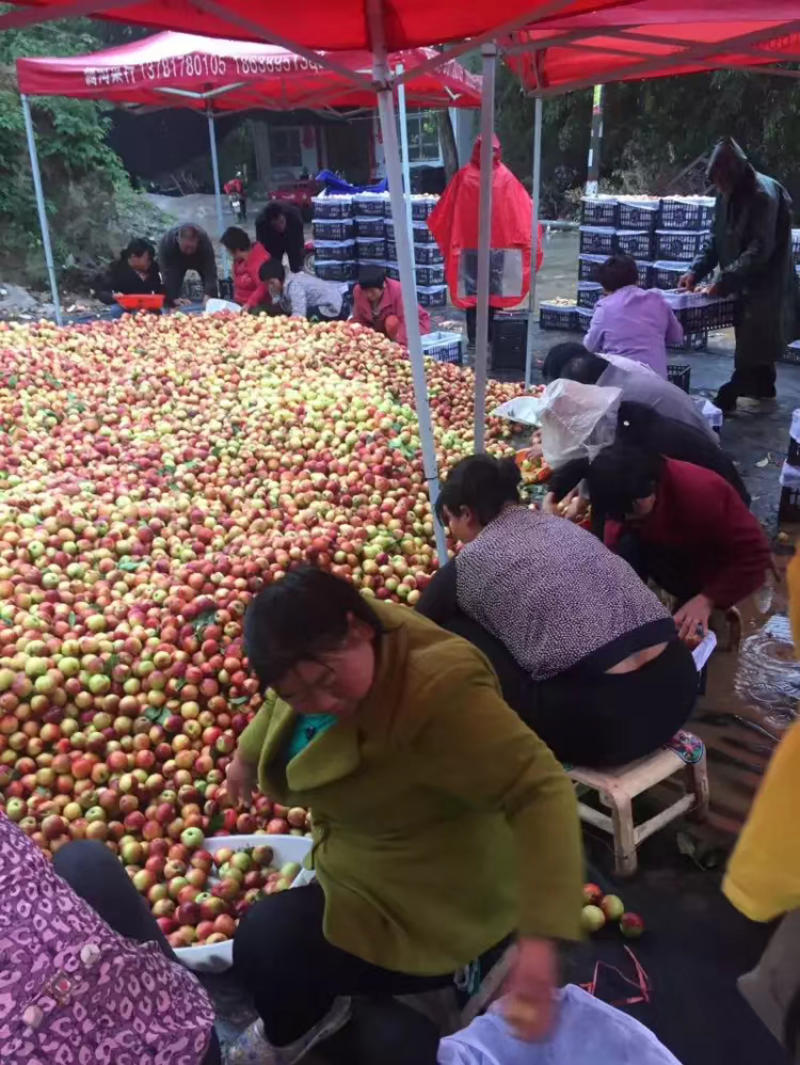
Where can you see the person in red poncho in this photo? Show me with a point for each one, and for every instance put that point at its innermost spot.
(454, 224)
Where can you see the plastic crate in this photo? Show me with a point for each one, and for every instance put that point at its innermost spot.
(792, 354)
(589, 292)
(424, 254)
(635, 242)
(680, 374)
(371, 204)
(422, 235)
(690, 212)
(789, 506)
(329, 229)
(332, 206)
(699, 314)
(599, 211)
(370, 247)
(557, 316)
(444, 347)
(341, 250)
(393, 272)
(333, 270)
(430, 275)
(432, 295)
(583, 318)
(645, 271)
(690, 342)
(509, 340)
(422, 207)
(598, 240)
(369, 227)
(677, 245)
(638, 215)
(796, 246)
(666, 275)
(587, 266)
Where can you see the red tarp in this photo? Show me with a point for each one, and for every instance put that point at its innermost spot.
(253, 76)
(332, 25)
(653, 38)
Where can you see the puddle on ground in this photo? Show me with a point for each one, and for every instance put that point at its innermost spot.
(768, 675)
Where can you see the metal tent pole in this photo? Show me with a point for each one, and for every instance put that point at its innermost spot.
(536, 189)
(489, 53)
(40, 206)
(595, 142)
(403, 114)
(388, 122)
(212, 140)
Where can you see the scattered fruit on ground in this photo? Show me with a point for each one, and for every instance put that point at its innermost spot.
(592, 894)
(613, 907)
(631, 925)
(592, 918)
(156, 473)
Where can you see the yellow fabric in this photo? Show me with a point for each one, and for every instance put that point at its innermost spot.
(763, 876)
(441, 822)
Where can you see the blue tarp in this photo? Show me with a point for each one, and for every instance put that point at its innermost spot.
(333, 183)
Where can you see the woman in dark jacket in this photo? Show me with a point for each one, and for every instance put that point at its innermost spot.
(134, 273)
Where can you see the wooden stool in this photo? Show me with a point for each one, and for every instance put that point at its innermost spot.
(618, 787)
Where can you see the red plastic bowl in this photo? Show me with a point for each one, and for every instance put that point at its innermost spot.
(150, 301)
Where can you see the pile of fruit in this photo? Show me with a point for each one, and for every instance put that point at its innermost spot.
(600, 910)
(154, 474)
(197, 898)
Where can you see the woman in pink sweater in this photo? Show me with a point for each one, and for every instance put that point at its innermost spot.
(378, 304)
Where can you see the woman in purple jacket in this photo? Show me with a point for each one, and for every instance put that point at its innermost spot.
(632, 321)
(86, 978)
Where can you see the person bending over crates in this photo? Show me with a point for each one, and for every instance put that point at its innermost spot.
(378, 304)
(584, 651)
(632, 321)
(444, 830)
(683, 527)
(305, 295)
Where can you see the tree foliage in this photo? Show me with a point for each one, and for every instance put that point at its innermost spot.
(653, 130)
(86, 188)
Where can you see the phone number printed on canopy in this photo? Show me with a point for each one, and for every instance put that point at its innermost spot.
(197, 65)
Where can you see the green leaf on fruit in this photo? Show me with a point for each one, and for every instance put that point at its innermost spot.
(113, 661)
(215, 824)
(240, 700)
(130, 565)
(13, 381)
(72, 617)
(153, 713)
(180, 684)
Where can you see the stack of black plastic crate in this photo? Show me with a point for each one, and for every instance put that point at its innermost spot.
(429, 264)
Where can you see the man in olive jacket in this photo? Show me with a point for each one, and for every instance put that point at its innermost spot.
(751, 242)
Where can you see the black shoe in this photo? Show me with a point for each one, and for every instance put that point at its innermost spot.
(726, 398)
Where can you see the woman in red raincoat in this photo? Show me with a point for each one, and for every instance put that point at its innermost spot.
(454, 224)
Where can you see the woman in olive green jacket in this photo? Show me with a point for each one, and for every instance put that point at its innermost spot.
(442, 824)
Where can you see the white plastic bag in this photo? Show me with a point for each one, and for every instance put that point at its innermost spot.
(577, 420)
(214, 306)
(588, 1032)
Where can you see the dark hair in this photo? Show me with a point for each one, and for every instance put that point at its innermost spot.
(620, 475)
(274, 210)
(272, 268)
(585, 368)
(557, 358)
(189, 230)
(371, 277)
(235, 239)
(482, 483)
(617, 272)
(299, 617)
(138, 246)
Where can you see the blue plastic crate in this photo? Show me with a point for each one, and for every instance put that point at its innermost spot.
(598, 240)
(635, 214)
(329, 229)
(432, 295)
(332, 206)
(686, 212)
(599, 211)
(558, 316)
(589, 292)
(367, 226)
(635, 242)
(444, 347)
(678, 245)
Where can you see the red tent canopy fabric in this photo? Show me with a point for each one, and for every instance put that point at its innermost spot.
(654, 38)
(186, 70)
(334, 25)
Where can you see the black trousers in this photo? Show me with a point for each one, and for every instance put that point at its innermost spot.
(596, 720)
(294, 975)
(471, 315)
(92, 871)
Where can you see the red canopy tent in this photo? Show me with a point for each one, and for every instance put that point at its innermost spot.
(187, 70)
(654, 38)
(647, 39)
